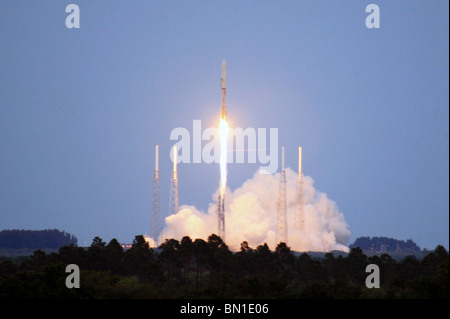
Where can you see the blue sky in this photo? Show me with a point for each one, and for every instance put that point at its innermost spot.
(81, 109)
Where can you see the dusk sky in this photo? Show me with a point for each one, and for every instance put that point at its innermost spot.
(81, 110)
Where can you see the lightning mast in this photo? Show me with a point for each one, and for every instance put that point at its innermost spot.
(156, 203)
(282, 231)
(300, 214)
(173, 195)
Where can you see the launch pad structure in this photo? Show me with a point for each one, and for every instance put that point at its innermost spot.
(173, 195)
(156, 202)
(300, 217)
(282, 220)
(282, 226)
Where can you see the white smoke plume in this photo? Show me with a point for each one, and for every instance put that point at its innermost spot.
(251, 215)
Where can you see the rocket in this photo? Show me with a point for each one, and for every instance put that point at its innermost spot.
(300, 172)
(224, 89)
(223, 130)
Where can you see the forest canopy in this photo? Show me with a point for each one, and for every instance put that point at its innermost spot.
(208, 269)
(35, 239)
(384, 244)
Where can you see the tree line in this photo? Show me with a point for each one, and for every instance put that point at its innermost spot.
(384, 244)
(208, 269)
(35, 239)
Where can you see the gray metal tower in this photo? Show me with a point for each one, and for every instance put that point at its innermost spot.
(300, 220)
(282, 230)
(156, 203)
(173, 195)
(221, 216)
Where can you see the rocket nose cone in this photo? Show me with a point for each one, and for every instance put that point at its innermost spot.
(224, 69)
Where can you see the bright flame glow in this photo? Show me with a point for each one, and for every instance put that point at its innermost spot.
(223, 131)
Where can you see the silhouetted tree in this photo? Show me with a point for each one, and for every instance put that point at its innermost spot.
(284, 260)
(434, 259)
(186, 253)
(264, 258)
(96, 254)
(246, 260)
(245, 247)
(218, 253)
(200, 249)
(7, 268)
(310, 270)
(97, 242)
(356, 263)
(169, 257)
(407, 268)
(335, 267)
(72, 254)
(114, 256)
(138, 259)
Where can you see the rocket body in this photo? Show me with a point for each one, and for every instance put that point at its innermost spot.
(224, 89)
(300, 171)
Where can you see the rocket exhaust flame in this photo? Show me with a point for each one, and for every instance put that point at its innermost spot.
(223, 131)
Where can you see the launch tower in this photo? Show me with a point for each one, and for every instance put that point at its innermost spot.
(300, 214)
(156, 202)
(173, 195)
(282, 230)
